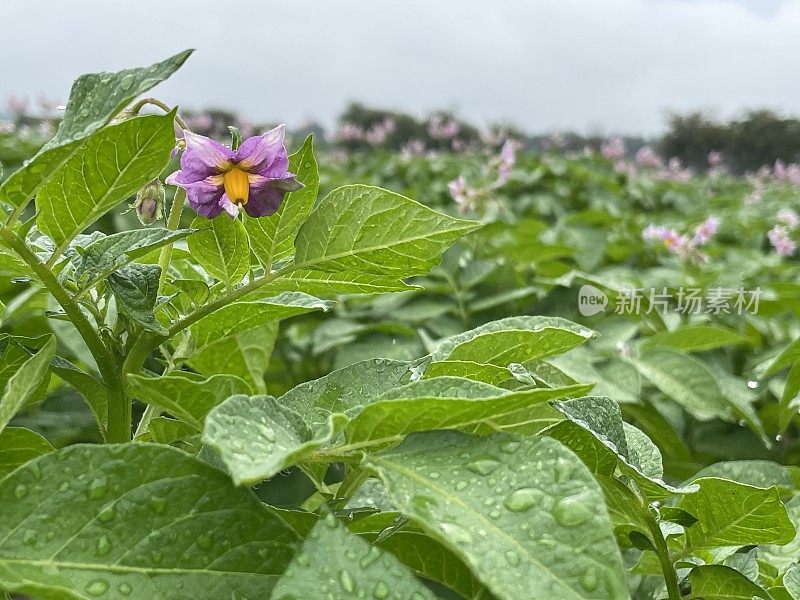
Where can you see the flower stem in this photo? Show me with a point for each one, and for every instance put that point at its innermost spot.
(173, 220)
(156, 102)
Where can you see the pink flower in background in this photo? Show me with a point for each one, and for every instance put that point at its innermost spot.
(786, 173)
(506, 162)
(779, 238)
(715, 158)
(674, 171)
(379, 132)
(376, 136)
(613, 149)
(647, 157)
(788, 218)
(705, 231)
(461, 193)
(653, 232)
(441, 129)
(18, 105)
(673, 241)
(413, 148)
(350, 132)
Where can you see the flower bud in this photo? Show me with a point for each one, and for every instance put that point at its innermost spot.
(149, 203)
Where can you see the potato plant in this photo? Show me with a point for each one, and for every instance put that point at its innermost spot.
(490, 461)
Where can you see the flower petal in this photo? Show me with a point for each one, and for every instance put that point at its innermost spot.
(259, 152)
(266, 195)
(204, 193)
(203, 157)
(228, 206)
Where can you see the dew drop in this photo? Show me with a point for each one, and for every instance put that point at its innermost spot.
(97, 488)
(370, 557)
(460, 485)
(267, 432)
(589, 580)
(21, 490)
(107, 514)
(512, 558)
(98, 587)
(522, 499)
(157, 504)
(103, 546)
(303, 560)
(510, 447)
(29, 537)
(348, 585)
(381, 591)
(456, 533)
(125, 589)
(204, 542)
(571, 511)
(483, 466)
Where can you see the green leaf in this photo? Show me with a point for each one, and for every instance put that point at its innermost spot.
(757, 473)
(788, 356)
(258, 437)
(245, 354)
(188, 399)
(342, 566)
(594, 430)
(523, 513)
(789, 401)
(163, 430)
(104, 256)
(94, 100)
(19, 445)
(135, 287)
(137, 521)
(784, 555)
(272, 238)
(735, 514)
(344, 390)
(513, 340)
(221, 248)
(421, 553)
(24, 383)
(87, 386)
(697, 338)
(367, 229)
(321, 283)
(441, 403)
(112, 166)
(791, 581)
(245, 315)
(491, 374)
(717, 582)
(686, 380)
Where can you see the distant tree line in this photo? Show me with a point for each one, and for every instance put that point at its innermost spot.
(758, 138)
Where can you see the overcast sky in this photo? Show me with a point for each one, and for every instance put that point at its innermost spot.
(610, 66)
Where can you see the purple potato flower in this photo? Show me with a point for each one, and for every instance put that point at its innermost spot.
(254, 177)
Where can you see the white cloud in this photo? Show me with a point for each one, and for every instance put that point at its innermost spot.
(614, 65)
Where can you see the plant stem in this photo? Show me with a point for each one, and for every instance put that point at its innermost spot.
(156, 102)
(662, 551)
(119, 406)
(173, 220)
(207, 309)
